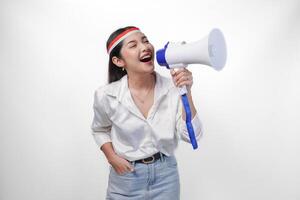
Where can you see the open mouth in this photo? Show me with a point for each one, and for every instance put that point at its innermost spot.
(146, 58)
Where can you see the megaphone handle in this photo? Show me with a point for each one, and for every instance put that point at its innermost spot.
(192, 135)
(182, 90)
(188, 120)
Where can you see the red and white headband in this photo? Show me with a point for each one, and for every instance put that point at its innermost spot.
(120, 38)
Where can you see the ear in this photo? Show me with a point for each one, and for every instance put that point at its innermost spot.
(118, 61)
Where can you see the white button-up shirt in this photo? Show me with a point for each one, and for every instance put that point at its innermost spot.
(117, 119)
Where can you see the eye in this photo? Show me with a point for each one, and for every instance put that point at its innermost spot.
(132, 46)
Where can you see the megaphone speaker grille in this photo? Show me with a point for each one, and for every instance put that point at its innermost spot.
(217, 49)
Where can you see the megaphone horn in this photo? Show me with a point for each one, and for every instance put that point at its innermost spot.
(211, 50)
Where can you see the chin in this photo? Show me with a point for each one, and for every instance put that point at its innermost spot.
(149, 67)
(149, 70)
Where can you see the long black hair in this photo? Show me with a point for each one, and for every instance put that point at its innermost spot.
(115, 73)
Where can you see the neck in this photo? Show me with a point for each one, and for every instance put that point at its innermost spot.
(141, 81)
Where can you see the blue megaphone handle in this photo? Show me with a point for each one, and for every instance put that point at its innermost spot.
(188, 121)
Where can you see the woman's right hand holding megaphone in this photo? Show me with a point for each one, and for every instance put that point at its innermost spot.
(182, 77)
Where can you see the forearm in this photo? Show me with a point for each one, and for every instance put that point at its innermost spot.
(108, 151)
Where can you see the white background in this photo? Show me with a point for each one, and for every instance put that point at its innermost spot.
(53, 58)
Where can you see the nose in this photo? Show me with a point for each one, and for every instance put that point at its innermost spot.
(145, 47)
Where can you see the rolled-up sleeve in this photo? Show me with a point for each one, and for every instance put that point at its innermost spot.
(101, 125)
(181, 128)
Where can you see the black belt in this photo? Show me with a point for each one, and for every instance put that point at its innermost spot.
(150, 159)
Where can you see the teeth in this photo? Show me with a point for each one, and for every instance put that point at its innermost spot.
(148, 56)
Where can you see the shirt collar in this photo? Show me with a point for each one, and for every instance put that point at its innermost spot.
(121, 92)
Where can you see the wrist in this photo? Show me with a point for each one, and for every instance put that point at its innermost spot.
(189, 93)
(189, 88)
(111, 157)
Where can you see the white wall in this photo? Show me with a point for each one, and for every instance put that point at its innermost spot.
(53, 58)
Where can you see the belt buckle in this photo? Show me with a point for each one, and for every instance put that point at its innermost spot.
(148, 162)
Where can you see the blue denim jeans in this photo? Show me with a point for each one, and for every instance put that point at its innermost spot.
(155, 181)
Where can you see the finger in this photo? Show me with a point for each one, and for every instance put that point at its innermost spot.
(181, 74)
(122, 170)
(186, 83)
(129, 167)
(172, 71)
(118, 170)
(177, 77)
(184, 74)
(177, 71)
(183, 79)
(186, 70)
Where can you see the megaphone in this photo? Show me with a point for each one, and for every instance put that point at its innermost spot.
(211, 51)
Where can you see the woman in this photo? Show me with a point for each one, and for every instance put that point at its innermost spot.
(138, 120)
